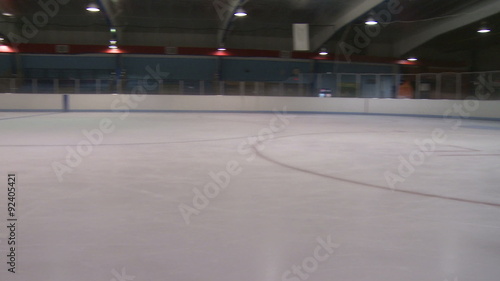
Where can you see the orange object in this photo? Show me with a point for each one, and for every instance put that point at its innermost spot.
(405, 91)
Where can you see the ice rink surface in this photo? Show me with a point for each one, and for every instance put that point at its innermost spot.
(250, 197)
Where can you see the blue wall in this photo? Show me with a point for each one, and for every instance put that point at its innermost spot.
(344, 67)
(178, 68)
(6, 63)
(68, 66)
(261, 70)
(68, 62)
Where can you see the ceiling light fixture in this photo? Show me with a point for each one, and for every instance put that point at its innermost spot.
(323, 52)
(371, 21)
(7, 14)
(113, 47)
(240, 12)
(484, 28)
(112, 30)
(221, 47)
(112, 42)
(412, 59)
(92, 7)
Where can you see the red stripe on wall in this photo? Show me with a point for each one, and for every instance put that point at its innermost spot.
(159, 50)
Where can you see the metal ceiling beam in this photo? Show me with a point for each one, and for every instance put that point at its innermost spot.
(358, 9)
(225, 10)
(468, 16)
(11, 31)
(8, 29)
(112, 10)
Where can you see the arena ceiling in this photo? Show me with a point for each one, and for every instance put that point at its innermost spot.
(426, 27)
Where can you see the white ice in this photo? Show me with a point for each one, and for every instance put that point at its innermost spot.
(116, 217)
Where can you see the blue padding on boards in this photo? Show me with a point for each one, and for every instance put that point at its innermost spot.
(65, 103)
